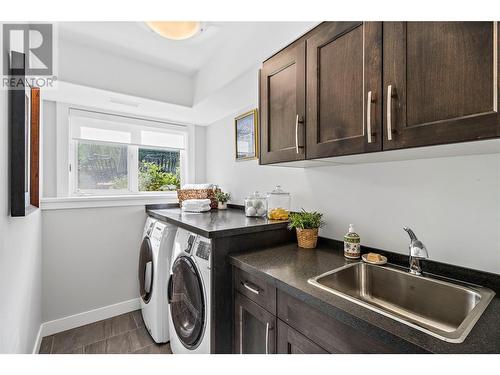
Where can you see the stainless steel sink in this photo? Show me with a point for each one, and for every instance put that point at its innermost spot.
(442, 308)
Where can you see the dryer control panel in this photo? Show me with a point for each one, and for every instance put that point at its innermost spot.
(156, 234)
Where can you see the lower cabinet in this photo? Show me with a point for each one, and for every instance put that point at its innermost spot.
(326, 331)
(268, 320)
(254, 328)
(292, 342)
(257, 331)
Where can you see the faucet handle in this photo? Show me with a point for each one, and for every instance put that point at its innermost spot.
(417, 248)
(412, 235)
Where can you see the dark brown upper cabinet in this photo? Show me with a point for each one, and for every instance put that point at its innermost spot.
(282, 105)
(440, 83)
(344, 89)
(356, 87)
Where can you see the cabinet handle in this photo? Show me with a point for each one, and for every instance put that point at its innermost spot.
(389, 112)
(297, 121)
(297, 134)
(250, 288)
(240, 317)
(267, 338)
(369, 102)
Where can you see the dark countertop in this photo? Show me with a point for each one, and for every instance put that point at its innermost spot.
(289, 267)
(216, 223)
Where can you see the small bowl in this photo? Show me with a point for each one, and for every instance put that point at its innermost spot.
(379, 263)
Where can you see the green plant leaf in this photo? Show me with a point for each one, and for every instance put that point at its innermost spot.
(153, 178)
(305, 220)
(222, 197)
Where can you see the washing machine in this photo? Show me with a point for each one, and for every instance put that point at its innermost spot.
(189, 290)
(154, 268)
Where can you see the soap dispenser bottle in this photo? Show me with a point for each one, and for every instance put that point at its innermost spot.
(352, 246)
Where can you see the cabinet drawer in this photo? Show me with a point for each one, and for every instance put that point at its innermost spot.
(255, 289)
(325, 331)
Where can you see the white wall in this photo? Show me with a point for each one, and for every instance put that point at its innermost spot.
(49, 149)
(90, 255)
(453, 204)
(200, 153)
(93, 67)
(230, 63)
(20, 262)
(222, 102)
(90, 258)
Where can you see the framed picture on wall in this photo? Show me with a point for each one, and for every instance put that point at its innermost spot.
(24, 121)
(246, 126)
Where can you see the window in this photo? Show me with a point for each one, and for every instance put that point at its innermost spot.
(158, 169)
(102, 166)
(121, 155)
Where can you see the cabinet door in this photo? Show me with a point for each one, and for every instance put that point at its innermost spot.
(330, 333)
(344, 89)
(440, 82)
(282, 105)
(255, 328)
(292, 342)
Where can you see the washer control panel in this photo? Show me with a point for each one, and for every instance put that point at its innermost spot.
(203, 250)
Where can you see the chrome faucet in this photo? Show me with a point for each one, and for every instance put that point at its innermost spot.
(418, 251)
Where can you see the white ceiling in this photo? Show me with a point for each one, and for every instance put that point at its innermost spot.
(208, 68)
(135, 40)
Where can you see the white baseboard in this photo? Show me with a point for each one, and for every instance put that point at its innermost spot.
(87, 317)
(38, 340)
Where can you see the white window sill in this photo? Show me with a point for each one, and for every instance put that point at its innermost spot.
(64, 203)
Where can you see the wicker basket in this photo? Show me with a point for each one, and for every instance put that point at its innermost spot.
(184, 194)
(307, 238)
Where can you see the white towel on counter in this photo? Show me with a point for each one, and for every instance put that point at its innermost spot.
(196, 205)
(196, 202)
(196, 209)
(197, 186)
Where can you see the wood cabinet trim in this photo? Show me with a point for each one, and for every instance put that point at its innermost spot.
(35, 148)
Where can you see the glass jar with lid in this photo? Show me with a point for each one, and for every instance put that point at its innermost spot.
(256, 205)
(278, 204)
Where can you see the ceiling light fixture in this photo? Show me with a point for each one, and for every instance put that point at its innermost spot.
(176, 30)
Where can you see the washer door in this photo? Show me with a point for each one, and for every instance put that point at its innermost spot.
(146, 270)
(187, 302)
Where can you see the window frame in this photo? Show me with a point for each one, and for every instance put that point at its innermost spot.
(132, 158)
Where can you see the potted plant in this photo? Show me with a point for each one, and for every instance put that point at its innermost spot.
(222, 198)
(306, 225)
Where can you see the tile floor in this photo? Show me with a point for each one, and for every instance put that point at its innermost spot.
(122, 334)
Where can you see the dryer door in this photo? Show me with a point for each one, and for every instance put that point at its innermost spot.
(187, 302)
(146, 270)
